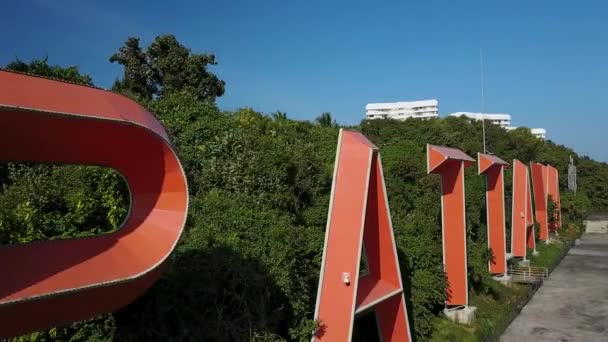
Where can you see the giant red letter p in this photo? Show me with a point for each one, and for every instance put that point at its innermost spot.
(51, 283)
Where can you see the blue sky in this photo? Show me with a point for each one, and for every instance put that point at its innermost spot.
(545, 61)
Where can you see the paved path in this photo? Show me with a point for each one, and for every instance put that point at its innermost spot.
(572, 304)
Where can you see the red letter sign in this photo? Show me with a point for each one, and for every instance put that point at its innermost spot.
(450, 164)
(539, 182)
(51, 283)
(359, 216)
(531, 237)
(521, 211)
(493, 167)
(553, 191)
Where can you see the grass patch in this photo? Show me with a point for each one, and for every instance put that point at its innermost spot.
(446, 330)
(495, 309)
(549, 254)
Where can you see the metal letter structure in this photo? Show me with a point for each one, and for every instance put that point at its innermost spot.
(521, 211)
(51, 283)
(553, 191)
(539, 181)
(359, 219)
(531, 233)
(450, 164)
(493, 167)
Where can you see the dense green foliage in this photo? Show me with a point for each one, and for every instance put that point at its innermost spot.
(166, 66)
(41, 67)
(42, 201)
(247, 266)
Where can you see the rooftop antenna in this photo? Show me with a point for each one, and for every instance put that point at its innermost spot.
(483, 121)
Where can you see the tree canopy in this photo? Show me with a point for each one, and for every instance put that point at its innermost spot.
(165, 66)
(326, 120)
(41, 67)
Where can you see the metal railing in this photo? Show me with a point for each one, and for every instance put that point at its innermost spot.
(527, 274)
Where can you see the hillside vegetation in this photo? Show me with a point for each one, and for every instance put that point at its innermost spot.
(247, 266)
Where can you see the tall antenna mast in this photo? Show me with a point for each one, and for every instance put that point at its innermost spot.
(483, 121)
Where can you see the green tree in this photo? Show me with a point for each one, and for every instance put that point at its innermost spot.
(41, 67)
(165, 67)
(552, 212)
(279, 116)
(325, 120)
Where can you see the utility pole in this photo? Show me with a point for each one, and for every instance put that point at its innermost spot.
(483, 120)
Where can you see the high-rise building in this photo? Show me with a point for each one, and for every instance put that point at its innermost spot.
(425, 109)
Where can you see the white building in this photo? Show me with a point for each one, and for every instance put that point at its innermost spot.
(425, 109)
(537, 132)
(502, 120)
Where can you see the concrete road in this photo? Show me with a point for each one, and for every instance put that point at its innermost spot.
(572, 304)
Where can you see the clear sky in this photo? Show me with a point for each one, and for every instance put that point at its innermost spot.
(545, 61)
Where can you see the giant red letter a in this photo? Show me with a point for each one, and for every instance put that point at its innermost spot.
(359, 217)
